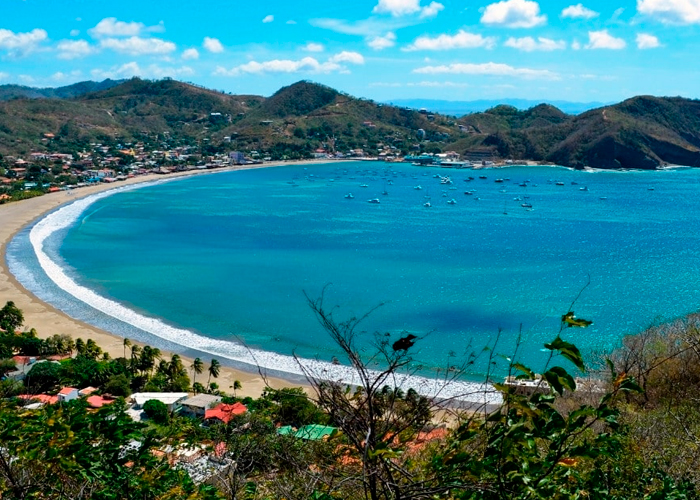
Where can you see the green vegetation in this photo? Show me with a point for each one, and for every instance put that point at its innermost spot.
(631, 435)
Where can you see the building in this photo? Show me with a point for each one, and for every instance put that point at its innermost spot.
(68, 394)
(196, 406)
(224, 413)
(170, 399)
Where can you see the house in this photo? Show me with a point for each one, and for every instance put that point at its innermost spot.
(224, 413)
(99, 401)
(170, 399)
(67, 394)
(87, 391)
(196, 406)
(43, 399)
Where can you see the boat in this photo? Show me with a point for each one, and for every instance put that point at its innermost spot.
(374, 200)
(427, 204)
(349, 196)
(584, 188)
(526, 205)
(445, 180)
(560, 183)
(452, 202)
(468, 193)
(364, 185)
(418, 187)
(482, 177)
(498, 180)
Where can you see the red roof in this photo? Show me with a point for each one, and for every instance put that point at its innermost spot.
(225, 412)
(21, 360)
(66, 391)
(41, 398)
(98, 401)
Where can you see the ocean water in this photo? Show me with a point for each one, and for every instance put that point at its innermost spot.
(217, 262)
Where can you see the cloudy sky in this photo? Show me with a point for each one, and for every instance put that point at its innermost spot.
(598, 50)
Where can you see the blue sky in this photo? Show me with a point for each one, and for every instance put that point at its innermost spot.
(597, 50)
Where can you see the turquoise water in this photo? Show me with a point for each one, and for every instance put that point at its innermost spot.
(230, 255)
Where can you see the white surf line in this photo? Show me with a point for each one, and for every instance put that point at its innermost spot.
(66, 216)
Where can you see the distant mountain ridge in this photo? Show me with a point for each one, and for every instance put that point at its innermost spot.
(11, 91)
(461, 108)
(296, 121)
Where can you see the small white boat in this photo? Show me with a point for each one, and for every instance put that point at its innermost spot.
(452, 202)
(364, 185)
(374, 200)
(427, 204)
(349, 196)
(418, 187)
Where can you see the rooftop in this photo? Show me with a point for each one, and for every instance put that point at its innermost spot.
(202, 400)
(225, 412)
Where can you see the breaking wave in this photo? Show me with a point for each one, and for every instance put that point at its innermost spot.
(66, 216)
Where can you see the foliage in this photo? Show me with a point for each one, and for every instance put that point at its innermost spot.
(11, 318)
(156, 411)
(43, 377)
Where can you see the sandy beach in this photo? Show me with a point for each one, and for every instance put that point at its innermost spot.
(48, 320)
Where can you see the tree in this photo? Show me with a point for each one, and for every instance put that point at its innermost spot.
(127, 343)
(197, 368)
(156, 411)
(43, 377)
(236, 387)
(214, 370)
(11, 317)
(117, 385)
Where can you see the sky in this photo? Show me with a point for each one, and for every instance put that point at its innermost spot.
(459, 50)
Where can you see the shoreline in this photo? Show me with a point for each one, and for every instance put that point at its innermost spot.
(48, 320)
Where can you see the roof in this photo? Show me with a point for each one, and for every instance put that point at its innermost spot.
(98, 401)
(314, 432)
(225, 412)
(286, 430)
(201, 400)
(87, 391)
(67, 390)
(42, 398)
(167, 398)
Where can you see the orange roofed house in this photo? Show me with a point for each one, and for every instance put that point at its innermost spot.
(224, 413)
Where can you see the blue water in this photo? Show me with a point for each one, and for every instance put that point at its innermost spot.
(230, 255)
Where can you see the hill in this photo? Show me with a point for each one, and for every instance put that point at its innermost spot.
(8, 92)
(461, 108)
(642, 132)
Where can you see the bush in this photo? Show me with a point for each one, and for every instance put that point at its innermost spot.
(43, 377)
(156, 411)
(118, 385)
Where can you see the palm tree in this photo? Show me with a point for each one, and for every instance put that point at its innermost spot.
(135, 350)
(214, 370)
(197, 368)
(80, 346)
(236, 387)
(127, 343)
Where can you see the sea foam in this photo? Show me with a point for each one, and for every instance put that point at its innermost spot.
(66, 216)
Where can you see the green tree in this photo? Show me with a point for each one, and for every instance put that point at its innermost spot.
(214, 370)
(127, 343)
(43, 377)
(156, 411)
(197, 368)
(117, 385)
(11, 317)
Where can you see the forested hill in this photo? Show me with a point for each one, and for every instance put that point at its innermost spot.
(642, 132)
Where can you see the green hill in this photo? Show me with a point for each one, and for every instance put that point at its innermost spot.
(643, 132)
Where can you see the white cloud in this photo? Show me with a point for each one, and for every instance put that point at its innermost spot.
(313, 47)
(137, 46)
(578, 11)
(4, 76)
(529, 44)
(647, 41)
(60, 76)
(133, 69)
(382, 42)
(291, 21)
(514, 14)
(110, 27)
(371, 27)
(489, 69)
(576, 45)
(398, 8)
(604, 40)
(74, 32)
(434, 84)
(347, 57)
(268, 19)
(190, 54)
(431, 10)
(304, 65)
(74, 49)
(212, 45)
(19, 44)
(462, 40)
(671, 11)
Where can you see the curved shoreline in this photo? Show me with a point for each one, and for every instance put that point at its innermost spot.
(49, 321)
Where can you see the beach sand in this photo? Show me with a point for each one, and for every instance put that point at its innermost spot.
(48, 320)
